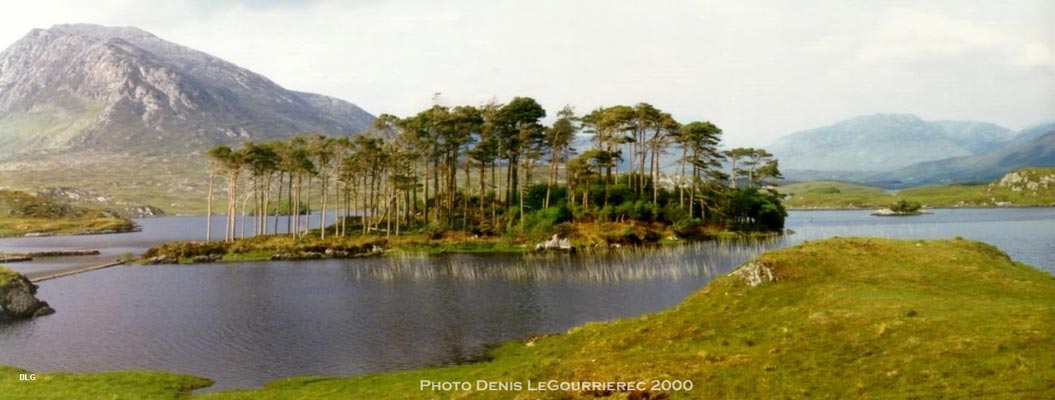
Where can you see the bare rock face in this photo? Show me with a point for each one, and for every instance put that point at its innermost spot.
(555, 244)
(17, 300)
(755, 273)
(76, 86)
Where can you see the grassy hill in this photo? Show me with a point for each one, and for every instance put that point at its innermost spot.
(1022, 187)
(176, 183)
(841, 318)
(22, 213)
(834, 194)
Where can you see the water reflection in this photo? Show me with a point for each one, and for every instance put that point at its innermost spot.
(668, 263)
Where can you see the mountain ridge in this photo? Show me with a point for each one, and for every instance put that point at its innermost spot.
(1036, 152)
(125, 89)
(866, 143)
(903, 150)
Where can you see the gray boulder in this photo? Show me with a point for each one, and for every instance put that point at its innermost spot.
(17, 300)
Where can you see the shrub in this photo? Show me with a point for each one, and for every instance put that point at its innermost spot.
(686, 227)
(905, 206)
(673, 212)
(544, 220)
(750, 209)
(435, 229)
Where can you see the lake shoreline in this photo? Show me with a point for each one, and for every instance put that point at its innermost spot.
(284, 247)
(929, 208)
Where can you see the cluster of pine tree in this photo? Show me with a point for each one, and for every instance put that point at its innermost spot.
(497, 168)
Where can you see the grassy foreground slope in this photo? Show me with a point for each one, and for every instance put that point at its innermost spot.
(22, 213)
(843, 318)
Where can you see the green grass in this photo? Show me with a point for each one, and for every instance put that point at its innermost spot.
(21, 213)
(845, 318)
(176, 183)
(52, 124)
(832, 194)
(125, 385)
(839, 195)
(6, 275)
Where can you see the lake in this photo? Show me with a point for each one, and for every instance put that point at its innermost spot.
(245, 324)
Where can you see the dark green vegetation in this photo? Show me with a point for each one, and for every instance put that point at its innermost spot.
(22, 213)
(1024, 187)
(905, 207)
(496, 170)
(841, 318)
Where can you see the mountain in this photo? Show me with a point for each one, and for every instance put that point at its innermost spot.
(976, 137)
(74, 87)
(1033, 132)
(879, 142)
(1036, 152)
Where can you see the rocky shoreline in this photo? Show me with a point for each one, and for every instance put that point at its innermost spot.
(17, 298)
(886, 212)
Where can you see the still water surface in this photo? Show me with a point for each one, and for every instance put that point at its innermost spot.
(248, 323)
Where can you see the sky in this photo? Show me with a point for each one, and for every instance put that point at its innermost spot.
(757, 69)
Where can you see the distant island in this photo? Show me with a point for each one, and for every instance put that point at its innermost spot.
(901, 208)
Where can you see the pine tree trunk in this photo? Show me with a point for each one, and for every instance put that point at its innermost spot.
(208, 207)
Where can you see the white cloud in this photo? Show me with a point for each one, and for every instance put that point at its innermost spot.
(1037, 54)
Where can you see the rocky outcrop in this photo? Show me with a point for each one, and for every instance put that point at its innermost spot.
(93, 199)
(17, 300)
(1030, 182)
(755, 273)
(886, 212)
(555, 244)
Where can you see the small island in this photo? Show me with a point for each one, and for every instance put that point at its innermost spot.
(485, 179)
(901, 208)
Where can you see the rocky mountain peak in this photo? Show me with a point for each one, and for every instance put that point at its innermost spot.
(80, 85)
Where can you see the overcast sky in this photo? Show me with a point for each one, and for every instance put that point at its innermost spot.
(758, 69)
